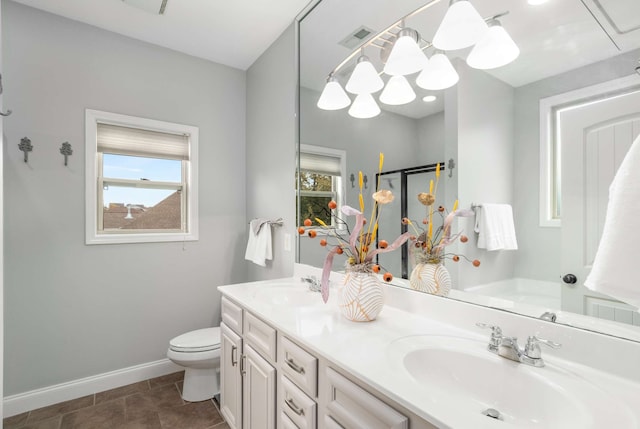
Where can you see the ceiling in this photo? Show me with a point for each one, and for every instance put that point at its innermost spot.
(553, 38)
(234, 33)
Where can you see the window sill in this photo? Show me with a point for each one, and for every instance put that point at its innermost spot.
(140, 238)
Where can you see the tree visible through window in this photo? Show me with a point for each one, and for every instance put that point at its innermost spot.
(320, 181)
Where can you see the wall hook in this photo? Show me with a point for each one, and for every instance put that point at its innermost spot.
(26, 147)
(66, 150)
(353, 179)
(365, 180)
(451, 166)
(8, 111)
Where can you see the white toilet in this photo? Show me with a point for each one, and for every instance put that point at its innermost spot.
(199, 352)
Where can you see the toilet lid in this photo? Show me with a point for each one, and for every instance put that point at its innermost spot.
(197, 341)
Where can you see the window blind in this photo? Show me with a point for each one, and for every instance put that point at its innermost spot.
(320, 164)
(120, 140)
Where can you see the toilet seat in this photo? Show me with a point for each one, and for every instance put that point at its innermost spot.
(200, 340)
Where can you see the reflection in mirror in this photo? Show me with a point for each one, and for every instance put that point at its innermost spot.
(543, 134)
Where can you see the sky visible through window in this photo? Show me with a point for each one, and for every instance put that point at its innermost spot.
(137, 168)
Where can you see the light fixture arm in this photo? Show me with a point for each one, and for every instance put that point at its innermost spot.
(379, 35)
(400, 24)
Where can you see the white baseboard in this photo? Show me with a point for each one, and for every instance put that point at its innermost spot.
(22, 402)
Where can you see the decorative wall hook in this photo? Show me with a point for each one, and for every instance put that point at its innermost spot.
(353, 180)
(66, 150)
(451, 166)
(8, 111)
(365, 180)
(26, 147)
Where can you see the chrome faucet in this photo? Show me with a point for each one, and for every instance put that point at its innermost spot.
(314, 284)
(507, 347)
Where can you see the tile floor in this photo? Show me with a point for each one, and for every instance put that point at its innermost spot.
(150, 404)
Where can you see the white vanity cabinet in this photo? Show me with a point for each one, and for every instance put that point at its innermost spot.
(230, 356)
(270, 379)
(247, 372)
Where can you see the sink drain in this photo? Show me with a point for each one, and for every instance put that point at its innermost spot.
(492, 412)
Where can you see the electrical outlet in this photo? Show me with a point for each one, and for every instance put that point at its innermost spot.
(287, 242)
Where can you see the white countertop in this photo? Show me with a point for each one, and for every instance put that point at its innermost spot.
(366, 350)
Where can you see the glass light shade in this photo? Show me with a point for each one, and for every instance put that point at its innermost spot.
(364, 107)
(438, 74)
(406, 57)
(495, 49)
(364, 79)
(398, 91)
(333, 96)
(461, 27)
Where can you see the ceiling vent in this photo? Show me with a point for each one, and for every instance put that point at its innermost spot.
(151, 6)
(356, 37)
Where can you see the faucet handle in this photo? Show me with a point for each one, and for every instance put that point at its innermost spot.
(496, 336)
(532, 349)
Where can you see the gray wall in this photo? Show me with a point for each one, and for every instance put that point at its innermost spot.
(73, 310)
(271, 152)
(485, 160)
(539, 253)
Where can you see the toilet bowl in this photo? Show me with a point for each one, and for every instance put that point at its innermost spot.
(199, 353)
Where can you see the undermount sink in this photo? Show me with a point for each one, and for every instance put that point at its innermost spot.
(463, 372)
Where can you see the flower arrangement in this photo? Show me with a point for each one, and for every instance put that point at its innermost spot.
(428, 245)
(360, 245)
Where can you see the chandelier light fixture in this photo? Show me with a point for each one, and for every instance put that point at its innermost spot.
(461, 27)
(364, 79)
(406, 57)
(402, 51)
(495, 49)
(438, 74)
(364, 107)
(333, 96)
(397, 92)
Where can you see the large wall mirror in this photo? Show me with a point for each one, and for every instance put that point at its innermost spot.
(521, 134)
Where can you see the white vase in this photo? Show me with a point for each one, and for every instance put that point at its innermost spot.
(431, 278)
(361, 298)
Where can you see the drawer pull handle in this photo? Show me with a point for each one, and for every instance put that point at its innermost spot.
(234, 355)
(299, 411)
(294, 366)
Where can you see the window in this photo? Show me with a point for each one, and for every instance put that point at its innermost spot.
(550, 145)
(321, 180)
(141, 180)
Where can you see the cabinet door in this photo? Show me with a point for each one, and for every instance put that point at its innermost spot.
(259, 385)
(230, 377)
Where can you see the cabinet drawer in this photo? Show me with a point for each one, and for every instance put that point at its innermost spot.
(353, 407)
(286, 422)
(232, 315)
(300, 366)
(329, 423)
(297, 405)
(261, 336)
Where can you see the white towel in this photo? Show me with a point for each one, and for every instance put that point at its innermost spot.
(494, 225)
(259, 244)
(616, 267)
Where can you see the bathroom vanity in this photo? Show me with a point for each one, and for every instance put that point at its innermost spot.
(291, 361)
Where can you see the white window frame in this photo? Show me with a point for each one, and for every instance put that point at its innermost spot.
(93, 164)
(341, 189)
(549, 138)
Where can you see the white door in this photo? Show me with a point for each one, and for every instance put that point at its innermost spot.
(594, 138)
(259, 386)
(230, 377)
